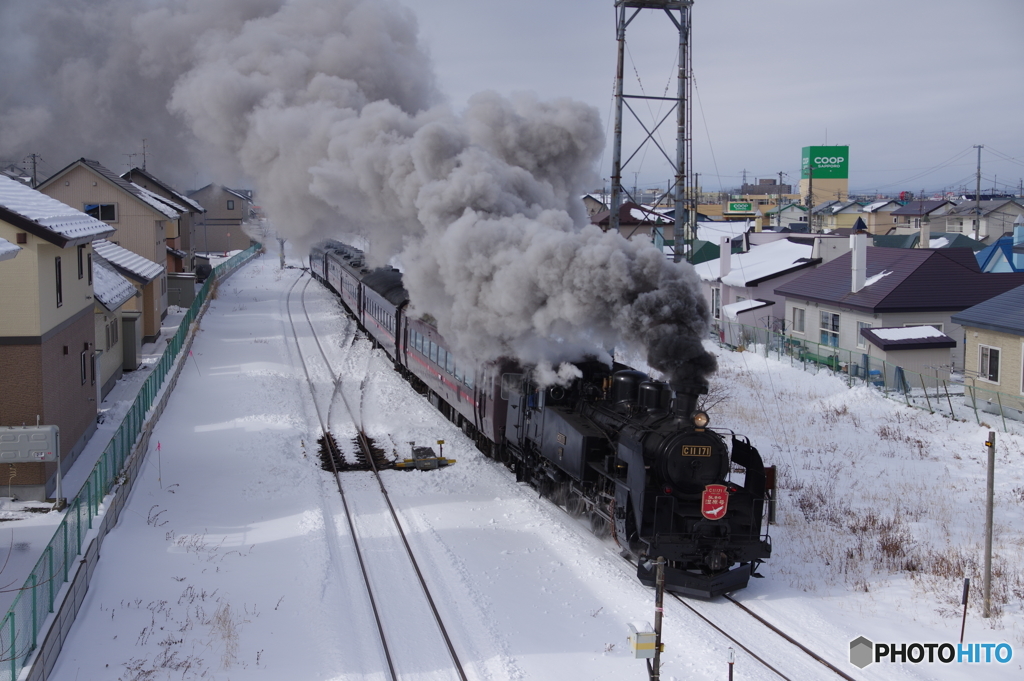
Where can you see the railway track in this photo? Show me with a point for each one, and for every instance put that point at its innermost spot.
(389, 570)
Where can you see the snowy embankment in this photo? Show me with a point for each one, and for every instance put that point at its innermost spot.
(228, 560)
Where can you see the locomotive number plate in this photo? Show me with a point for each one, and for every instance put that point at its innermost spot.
(696, 450)
(561, 438)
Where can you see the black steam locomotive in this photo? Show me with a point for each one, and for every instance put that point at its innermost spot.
(633, 454)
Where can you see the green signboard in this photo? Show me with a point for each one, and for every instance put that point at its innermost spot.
(739, 207)
(825, 163)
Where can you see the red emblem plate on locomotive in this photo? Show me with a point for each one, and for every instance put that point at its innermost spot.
(713, 502)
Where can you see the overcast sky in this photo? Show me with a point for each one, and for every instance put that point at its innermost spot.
(909, 85)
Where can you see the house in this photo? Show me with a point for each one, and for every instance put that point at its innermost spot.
(594, 205)
(636, 219)
(220, 229)
(143, 221)
(111, 291)
(886, 287)
(993, 333)
(984, 221)
(834, 215)
(879, 215)
(754, 275)
(784, 215)
(1006, 254)
(181, 242)
(919, 213)
(147, 278)
(47, 333)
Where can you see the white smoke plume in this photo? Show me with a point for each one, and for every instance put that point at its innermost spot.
(330, 106)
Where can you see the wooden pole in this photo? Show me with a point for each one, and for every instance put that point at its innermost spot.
(986, 609)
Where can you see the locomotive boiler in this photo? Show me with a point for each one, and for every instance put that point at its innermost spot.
(640, 458)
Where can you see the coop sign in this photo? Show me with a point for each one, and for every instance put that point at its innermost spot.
(29, 444)
(714, 501)
(739, 207)
(825, 163)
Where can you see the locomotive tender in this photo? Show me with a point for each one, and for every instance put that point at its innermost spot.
(635, 455)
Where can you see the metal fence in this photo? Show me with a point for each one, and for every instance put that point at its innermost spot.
(959, 399)
(21, 627)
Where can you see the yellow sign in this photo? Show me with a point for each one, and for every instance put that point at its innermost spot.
(696, 450)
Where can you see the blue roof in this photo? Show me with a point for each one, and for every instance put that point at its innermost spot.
(998, 257)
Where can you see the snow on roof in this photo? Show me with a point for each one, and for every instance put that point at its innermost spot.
(872, 207)
(48, 212)
(908, 332)
(128, 262)
(758, 263)
(8, 250)
(872, 279)
(938, 243)
(165, 206)
(733, 309)
(713, 231)
(110, 288)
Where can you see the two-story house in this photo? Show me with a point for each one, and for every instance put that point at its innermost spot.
(984, 221)
(220, 228)
(142, 219)
(181, 242)
(47, 332)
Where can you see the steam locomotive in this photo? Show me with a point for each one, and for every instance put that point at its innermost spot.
(634, 455)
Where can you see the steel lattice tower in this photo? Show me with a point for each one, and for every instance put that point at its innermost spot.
(678, 11)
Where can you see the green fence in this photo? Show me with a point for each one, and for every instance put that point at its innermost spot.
(20, 629)
(935, 392)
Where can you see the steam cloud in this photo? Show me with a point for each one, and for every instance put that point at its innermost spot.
(330, 106)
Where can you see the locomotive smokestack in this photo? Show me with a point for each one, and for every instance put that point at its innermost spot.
(687, 395)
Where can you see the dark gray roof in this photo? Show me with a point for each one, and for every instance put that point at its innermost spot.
(877, 336)
(986, 207)
(917, 208)
(1003, 313)
(922, 280)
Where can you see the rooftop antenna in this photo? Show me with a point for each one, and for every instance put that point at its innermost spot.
(143, 153)
(678, 11)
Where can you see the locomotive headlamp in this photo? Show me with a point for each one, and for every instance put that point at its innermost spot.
(700, 419)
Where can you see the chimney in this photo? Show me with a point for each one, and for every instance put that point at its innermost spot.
(924, 236)
(816, 248)
(724, 256)
(858, 260)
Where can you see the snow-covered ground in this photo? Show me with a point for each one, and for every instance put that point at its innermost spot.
(232, 559)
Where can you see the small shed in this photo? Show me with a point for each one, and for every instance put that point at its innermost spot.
(920, 349)
(742, 322)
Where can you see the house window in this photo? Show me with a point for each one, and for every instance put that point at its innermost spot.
(88, 259)
(102, 211)
(231, 204)
(988, 363)
(60, 283)
(798, 320)
(716, 302)
(862, 342)
(830, 329)
(81, 261)
(83, 363)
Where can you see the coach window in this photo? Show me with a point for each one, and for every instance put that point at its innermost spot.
(433, 352)
(449, 363)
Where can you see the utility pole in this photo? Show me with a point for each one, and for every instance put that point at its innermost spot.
(778, 208)
(977, 194)
(143, 153)
(986, 604)
(678, 11)
(35, 176)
